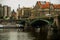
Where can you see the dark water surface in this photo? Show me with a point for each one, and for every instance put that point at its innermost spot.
(19, 34)
(14, 34)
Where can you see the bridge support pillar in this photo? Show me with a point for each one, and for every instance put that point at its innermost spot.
(25, 26)
(57, 24)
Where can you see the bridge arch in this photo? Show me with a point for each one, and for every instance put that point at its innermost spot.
(40, 28)
(40, 22)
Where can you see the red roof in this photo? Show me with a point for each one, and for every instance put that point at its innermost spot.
(47, 4)
(56, 5)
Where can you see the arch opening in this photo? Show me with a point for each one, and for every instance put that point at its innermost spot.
(39, 23)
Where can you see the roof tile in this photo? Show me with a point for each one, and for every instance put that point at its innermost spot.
(47, 4)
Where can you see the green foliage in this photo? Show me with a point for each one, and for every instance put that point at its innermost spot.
(6, 18)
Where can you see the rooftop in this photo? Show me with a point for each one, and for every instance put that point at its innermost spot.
(46, 4)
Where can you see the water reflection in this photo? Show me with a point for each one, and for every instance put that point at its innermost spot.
(33, 34)
(14, 34)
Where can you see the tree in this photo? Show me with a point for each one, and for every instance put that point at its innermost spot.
(6, 18)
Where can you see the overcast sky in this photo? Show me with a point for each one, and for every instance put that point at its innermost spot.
(27, 3)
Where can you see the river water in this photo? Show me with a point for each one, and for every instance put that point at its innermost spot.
(19, 34)
(14, 34)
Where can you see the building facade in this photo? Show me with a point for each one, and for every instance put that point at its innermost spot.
(9, 11)
(6, 11)
(24, 12)
(14, 15)
(40, 10)
(1, 11)
(45, 9)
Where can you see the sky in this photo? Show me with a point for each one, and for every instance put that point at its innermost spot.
(26, 3)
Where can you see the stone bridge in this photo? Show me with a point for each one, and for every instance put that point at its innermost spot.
(39, 26)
